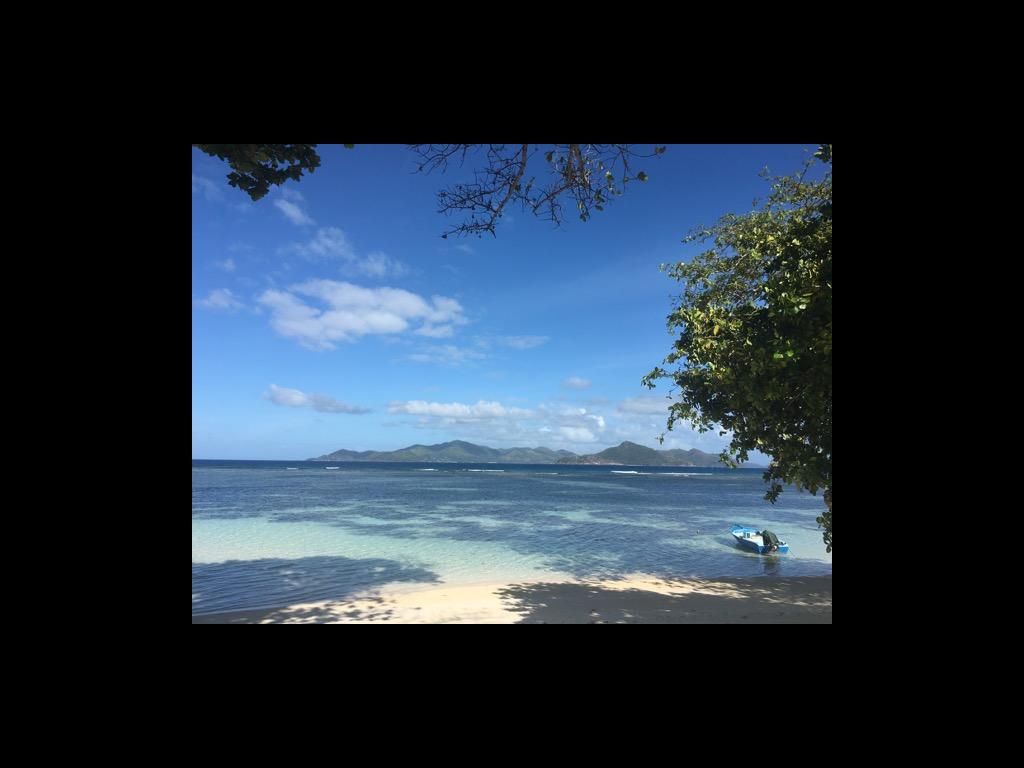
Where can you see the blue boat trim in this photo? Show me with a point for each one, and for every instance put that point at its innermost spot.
(743, 533)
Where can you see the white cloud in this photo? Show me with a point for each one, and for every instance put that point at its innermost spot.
(523, 342)
(219, 299)
(228, 265)
(494, 423)
(351, 311)
(331, 243)
(575, 382)
(646, 405)
(644, 419)
(295, 398)
(575, 417)
(482, 409)
(293, 213)
(468, 249)
(554, 425)
(577, 434)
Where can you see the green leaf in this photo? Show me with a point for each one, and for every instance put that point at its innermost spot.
(767, 269)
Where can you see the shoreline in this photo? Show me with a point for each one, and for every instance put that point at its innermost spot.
(634, 599)
(511, 463)
(746, 465)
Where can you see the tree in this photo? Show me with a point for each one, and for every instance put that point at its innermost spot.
(590, 175)
(753, 355)
(256, 166)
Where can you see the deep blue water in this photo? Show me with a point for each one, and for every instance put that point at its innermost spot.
(270, 533)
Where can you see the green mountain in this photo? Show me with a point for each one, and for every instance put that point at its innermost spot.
(463, 452)
(639, 455)
(455, 451)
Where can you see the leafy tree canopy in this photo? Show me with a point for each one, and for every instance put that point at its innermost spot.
(254, 167)
(753, 355)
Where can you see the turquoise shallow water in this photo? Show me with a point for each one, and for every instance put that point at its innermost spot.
(266, 534)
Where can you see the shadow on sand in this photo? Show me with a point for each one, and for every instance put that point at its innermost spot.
(724, 601)
(241, 586)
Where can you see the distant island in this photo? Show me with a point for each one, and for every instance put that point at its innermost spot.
(460, 451)
(641, 455)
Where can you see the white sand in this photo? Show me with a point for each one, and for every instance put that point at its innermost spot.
(636, 599)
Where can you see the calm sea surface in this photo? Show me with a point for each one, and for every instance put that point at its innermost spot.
(272, 533)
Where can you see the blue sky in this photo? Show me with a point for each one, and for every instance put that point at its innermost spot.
(331, 314)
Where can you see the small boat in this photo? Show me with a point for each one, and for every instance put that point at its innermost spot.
(763, 542)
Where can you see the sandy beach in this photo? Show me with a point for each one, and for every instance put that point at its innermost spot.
(637, 599)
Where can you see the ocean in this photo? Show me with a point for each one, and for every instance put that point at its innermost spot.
(273, 533)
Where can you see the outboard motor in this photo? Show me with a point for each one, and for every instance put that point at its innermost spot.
(771, 541)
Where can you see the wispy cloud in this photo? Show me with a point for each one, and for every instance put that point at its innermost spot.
(295, 398)
(351, 311)
(436, 331)
(332, 244)
(575, 382)
(328, 243)
(293, 213)
(378, 264)
(293, 205)
(446, 354)
(644, 405)
(523, 342)
(467, 249)
(228, 265)
(208, 190)
(220, 299)
(214, 192)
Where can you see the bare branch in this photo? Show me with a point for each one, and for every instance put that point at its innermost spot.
(513, 186)
(590, 174)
